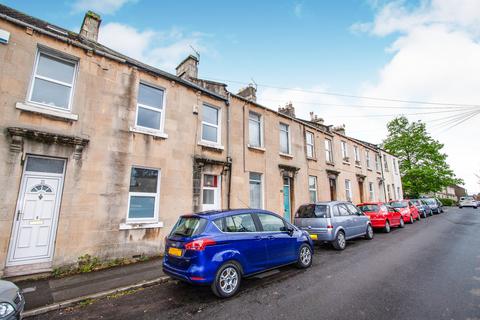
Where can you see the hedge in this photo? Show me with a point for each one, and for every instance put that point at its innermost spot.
(448, 202)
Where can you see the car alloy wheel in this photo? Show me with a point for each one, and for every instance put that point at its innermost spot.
(227, 281)
(402, 223)
(411, 219)
(369, 233)
(304, 256)
(340, 243)
(387, 227)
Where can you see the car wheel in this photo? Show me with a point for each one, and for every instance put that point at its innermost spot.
(461, 207)
(386, 229)
(340, 242)
(227, 280)
(411, 219)
(369, 233)
(304, 256)
(418, 217)
(402, 223)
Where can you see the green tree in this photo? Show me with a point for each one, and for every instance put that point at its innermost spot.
(423, 165)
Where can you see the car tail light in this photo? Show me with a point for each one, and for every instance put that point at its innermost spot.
(329, 227)
(199, 245)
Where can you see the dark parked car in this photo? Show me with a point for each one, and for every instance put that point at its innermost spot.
(11, 301)
(334, 222)
(435, 205)
(219, 248)
(423, 207)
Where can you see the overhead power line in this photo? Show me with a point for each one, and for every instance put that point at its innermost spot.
(352, 95)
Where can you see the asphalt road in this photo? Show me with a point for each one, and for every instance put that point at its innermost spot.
(428, 270)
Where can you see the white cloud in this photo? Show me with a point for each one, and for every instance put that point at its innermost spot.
(298, 9)
(435, 58)
(160, 49)
(100, 6)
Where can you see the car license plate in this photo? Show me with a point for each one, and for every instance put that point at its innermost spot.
(175, 252)
(314, 236)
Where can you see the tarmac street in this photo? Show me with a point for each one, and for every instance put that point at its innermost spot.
(428, 270)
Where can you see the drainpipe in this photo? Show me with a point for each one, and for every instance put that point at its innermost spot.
(229, 154)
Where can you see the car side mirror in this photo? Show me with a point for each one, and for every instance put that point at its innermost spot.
(290, 230)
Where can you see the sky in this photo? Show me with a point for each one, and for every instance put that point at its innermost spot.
(303, 51)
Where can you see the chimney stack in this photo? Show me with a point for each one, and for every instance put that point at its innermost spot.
(315, 119)
(188, 68)
(340, 129)
(249, 93)
(90, 26)
(289, 110)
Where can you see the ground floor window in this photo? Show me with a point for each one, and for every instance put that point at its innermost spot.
(144, 194)
(348, 190)
(371, 191)
(312, 188)
(256, 199)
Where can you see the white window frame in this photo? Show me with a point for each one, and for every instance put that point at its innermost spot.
(395, 167)
(289, 146)
(217, 126)
(310, 145)
(345, 151)
(348, 190)
(314, 189)
(385, 163)
(328, 151)
(260, 123)
(371, 191)
(162, 111)
(262, 200)
(356, 153)
(145, 194)
(60, 56)
(378, 162)
(367, 159)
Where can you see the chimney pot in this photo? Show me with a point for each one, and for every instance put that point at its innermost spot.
(188, 68)
(90, 26)
(288, 110)
(249, 93)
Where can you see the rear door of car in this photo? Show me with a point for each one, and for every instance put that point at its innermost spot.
(344, 220)
(359, 220)
(281, 245)
(245, 237)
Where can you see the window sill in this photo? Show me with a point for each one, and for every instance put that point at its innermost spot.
(57, 114)
(256, 148)
(330, 163)
(346, 163)
(312, 159)
(357, 166)
(211, 145)
(154, 133)
(286, 155)
(139, 225)
(369, 169)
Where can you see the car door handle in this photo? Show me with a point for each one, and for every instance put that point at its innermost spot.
(270, 237)
(258, 238)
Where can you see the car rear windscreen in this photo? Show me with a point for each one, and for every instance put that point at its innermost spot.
(189, 226)
(369, 207)
(398, 204)
(312, 211)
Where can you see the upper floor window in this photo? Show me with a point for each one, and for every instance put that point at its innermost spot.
(255, 129)
(211, 124)
(395, 168)
(385, 162)
(310, 142)
(328, 151)
(344, 151)
(377, 162)
(356, 152)
(284, 138)
(53, 81)
(312, 188)
(367, 159)
(150, 107)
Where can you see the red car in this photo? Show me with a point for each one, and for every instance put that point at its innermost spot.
(407, 209)
(382, 216)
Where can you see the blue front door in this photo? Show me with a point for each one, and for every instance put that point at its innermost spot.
(286, 199)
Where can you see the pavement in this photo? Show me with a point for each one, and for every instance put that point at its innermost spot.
(47, 292)
(428, 270)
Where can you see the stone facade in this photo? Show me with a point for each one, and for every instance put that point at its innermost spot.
(100, 141)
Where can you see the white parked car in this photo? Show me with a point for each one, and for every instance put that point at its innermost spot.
(467, 202)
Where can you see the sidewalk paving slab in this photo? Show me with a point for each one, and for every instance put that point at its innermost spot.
(39, 293)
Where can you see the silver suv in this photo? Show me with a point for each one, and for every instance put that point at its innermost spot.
(334, 222)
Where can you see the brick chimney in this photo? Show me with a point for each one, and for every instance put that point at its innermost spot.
(249, 93)
(289, 110)
(315, 119)
(90, 26)
(188, 68)
(339, 129)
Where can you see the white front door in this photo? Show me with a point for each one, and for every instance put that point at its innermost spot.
(211, 195)
(36, 216)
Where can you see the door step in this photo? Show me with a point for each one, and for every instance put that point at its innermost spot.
(267, 274)
(26, 270)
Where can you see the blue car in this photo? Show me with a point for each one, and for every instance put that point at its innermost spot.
(219, 248)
